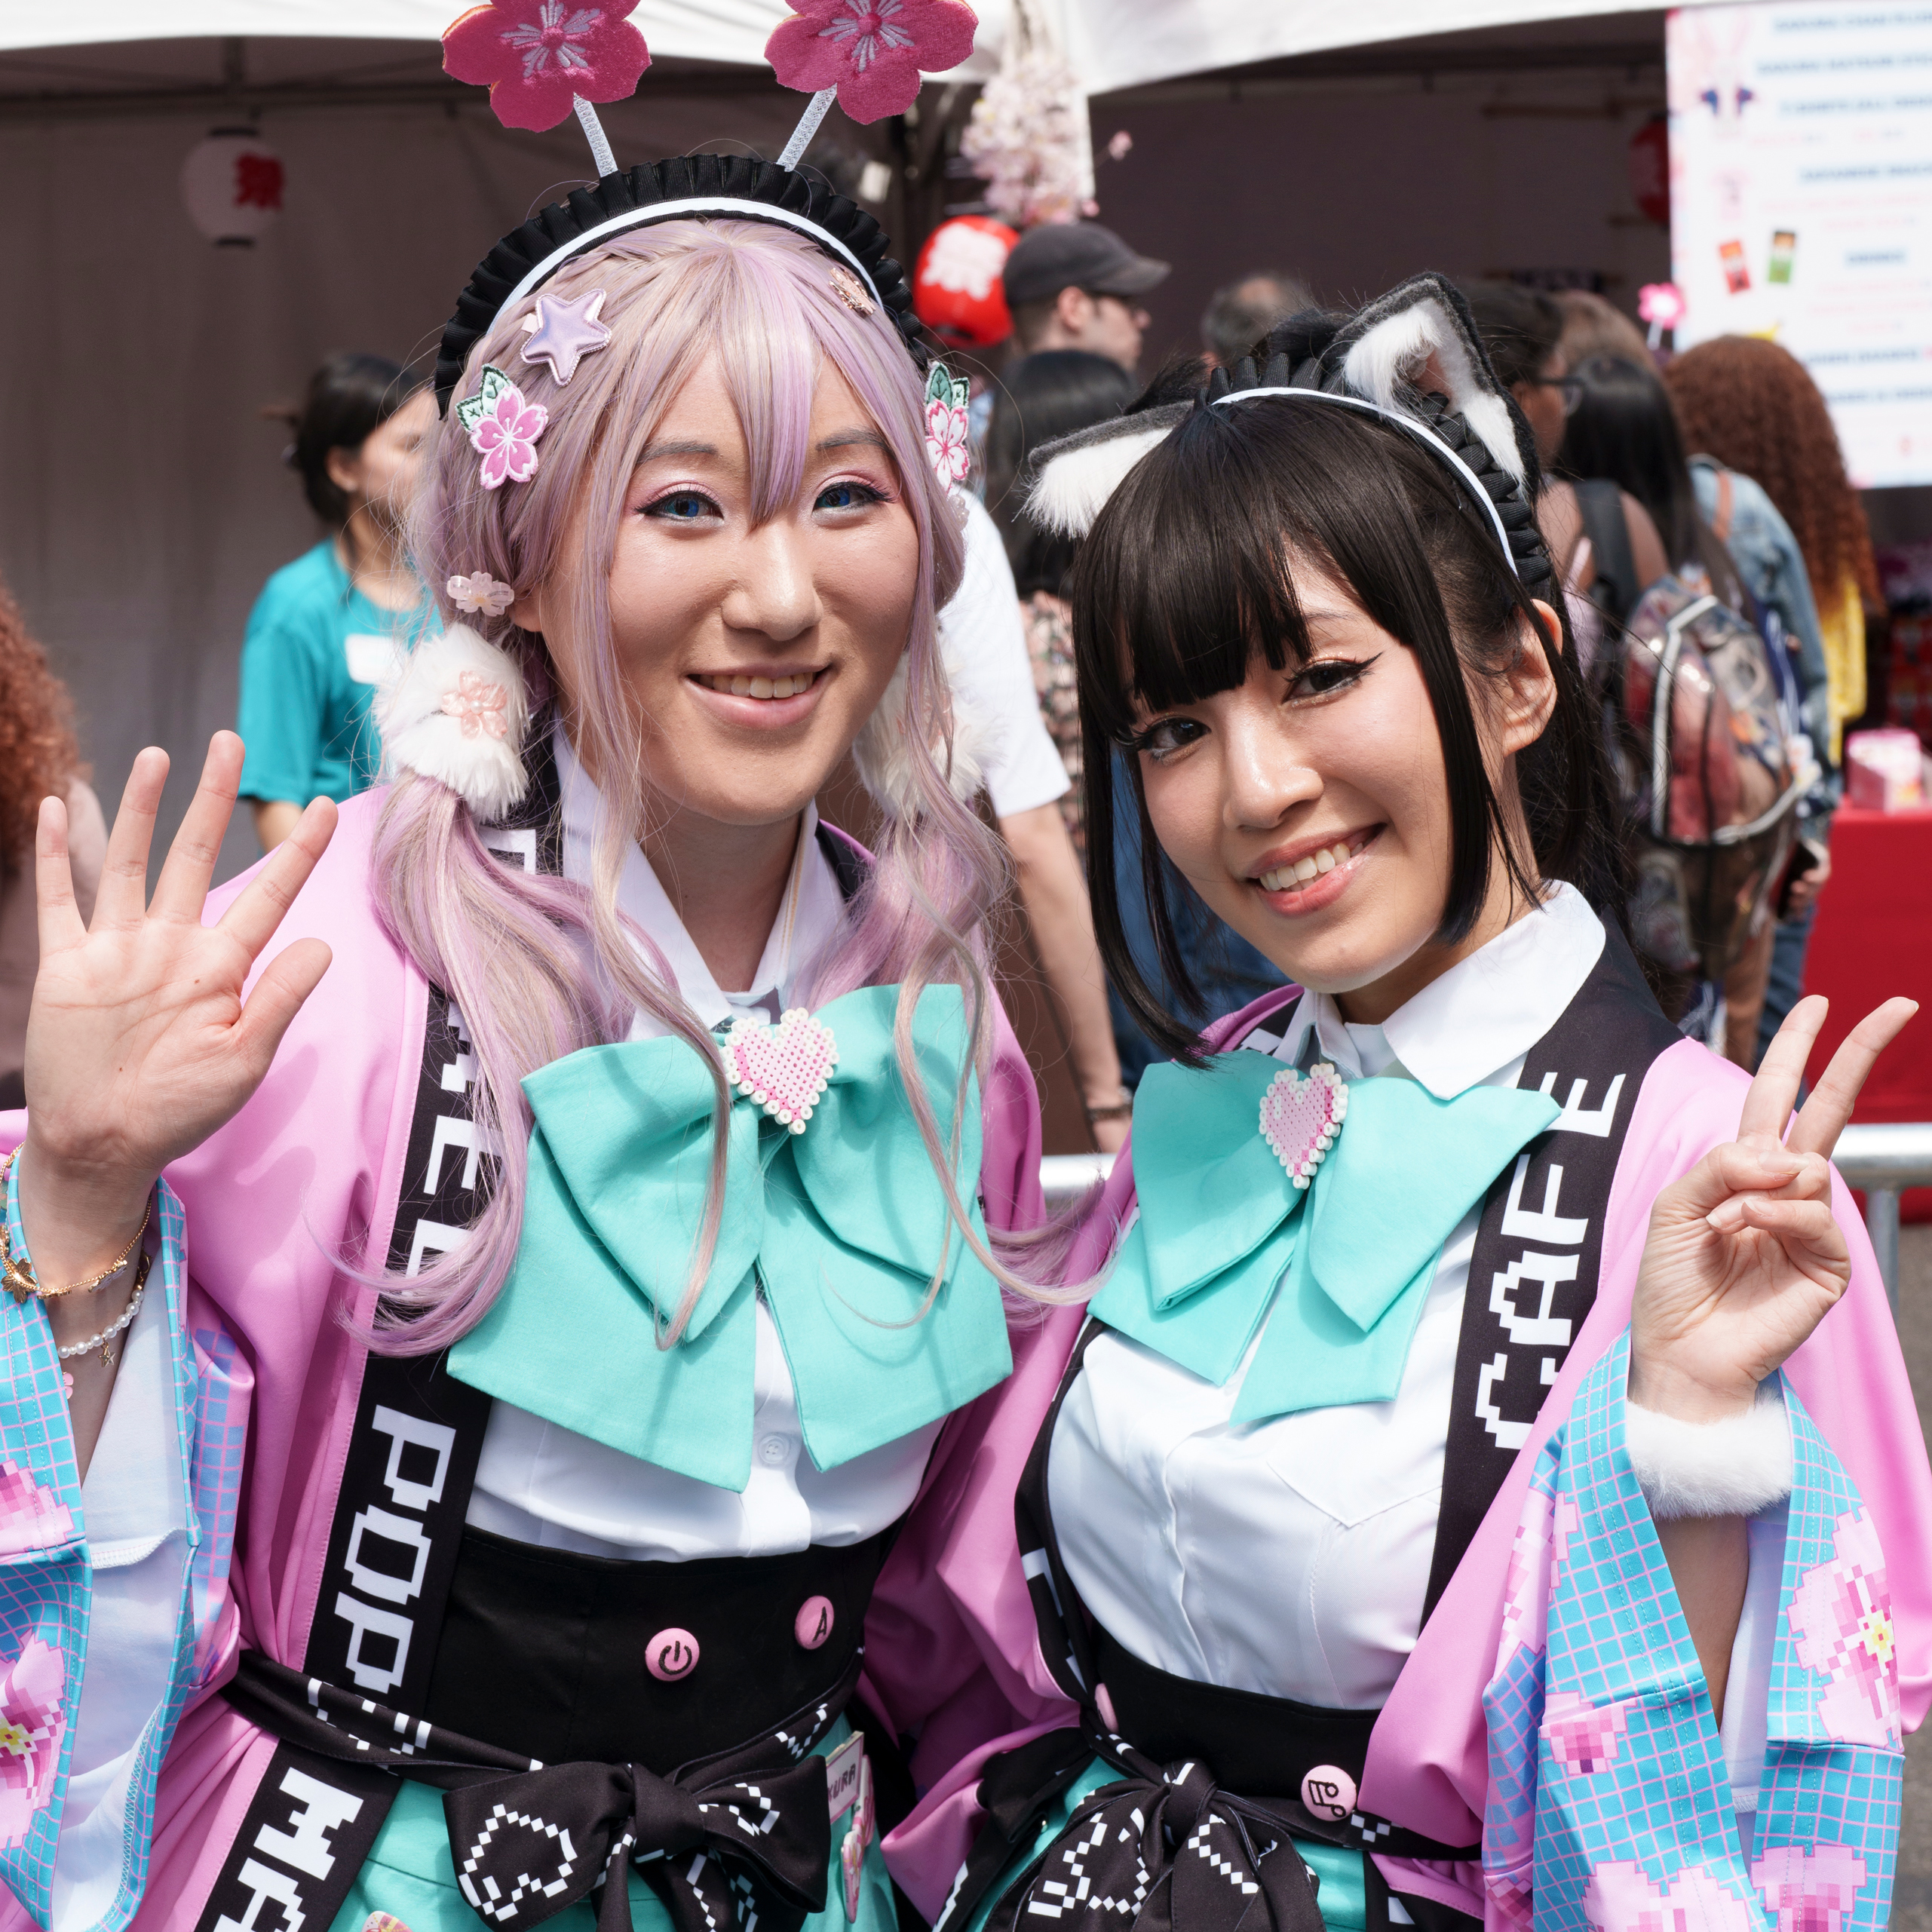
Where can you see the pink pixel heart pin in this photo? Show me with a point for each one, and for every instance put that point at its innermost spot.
(783, 1067)
(1300, 1114)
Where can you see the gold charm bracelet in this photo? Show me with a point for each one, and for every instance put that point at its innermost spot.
(18, 1274)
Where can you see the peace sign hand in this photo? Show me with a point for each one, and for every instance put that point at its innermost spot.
(1744, 1258)
(138, 1045)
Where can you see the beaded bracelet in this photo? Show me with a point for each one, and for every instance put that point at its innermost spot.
(18, 1274)
(113, 1329)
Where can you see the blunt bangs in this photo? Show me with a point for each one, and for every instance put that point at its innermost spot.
(1184, 580)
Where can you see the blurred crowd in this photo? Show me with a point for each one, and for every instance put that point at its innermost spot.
(1697, 502)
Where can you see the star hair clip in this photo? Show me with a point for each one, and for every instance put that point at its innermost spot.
(561, 333)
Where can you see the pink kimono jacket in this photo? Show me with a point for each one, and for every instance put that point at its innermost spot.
(1481, 1737)
(266, 1380)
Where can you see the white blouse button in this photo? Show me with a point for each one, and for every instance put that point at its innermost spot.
(775, 1452)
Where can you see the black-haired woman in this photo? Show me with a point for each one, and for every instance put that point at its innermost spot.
(322, 632)
(1485, 1460)
(1044, 398)
(1625, 427)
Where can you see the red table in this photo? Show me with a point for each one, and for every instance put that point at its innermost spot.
(1873, 939)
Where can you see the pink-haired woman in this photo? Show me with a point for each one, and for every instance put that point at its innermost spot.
(581, 1189)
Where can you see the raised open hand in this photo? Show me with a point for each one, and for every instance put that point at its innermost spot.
(1744, 1258)
(138, 1045)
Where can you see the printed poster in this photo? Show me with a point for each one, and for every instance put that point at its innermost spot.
(1801, 205)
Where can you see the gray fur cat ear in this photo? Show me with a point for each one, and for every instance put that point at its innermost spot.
(1075, 476)
(1420, 339)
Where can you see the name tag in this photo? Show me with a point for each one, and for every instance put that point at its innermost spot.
(841, 1774)
(370, 659)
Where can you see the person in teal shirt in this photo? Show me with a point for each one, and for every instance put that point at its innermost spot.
(326, 626)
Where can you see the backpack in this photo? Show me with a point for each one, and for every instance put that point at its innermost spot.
(1707, 774)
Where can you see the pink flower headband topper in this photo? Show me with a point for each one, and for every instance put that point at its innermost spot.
(867, 54)
(540, 60)
(504, 427)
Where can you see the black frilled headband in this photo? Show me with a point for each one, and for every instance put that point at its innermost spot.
(693, 186)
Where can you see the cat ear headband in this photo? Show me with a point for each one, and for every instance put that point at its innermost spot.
(543, 61)
(1412, 358)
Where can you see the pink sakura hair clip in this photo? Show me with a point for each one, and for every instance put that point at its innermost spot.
(561, 333)
(480, 594)
(949, 436)
(504, 427)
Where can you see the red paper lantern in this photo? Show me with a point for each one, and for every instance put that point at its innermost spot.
(956, 282)
(231, 184)
(1649, 159)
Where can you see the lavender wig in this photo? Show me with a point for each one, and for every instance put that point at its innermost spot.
(541, 967)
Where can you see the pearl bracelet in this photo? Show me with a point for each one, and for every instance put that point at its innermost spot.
(113, 1329)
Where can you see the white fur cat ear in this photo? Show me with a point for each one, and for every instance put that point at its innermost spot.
(1075, 476)
(1420, 339)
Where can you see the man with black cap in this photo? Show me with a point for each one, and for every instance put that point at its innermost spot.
(1076, 285)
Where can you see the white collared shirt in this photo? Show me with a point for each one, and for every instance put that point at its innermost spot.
(542, 1483)
(1291, 1556)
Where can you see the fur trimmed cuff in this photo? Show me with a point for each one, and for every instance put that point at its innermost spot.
(1734, 1467)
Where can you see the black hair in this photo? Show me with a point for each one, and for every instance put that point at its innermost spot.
(1522, 328)
(1626, 429)
(1234, 322)
(1184, 580)
(348, 400)
(1042, 398)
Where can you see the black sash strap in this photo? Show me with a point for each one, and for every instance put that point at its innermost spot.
(398, 1530)
(1532, 1278)
(393, 1545)
(1540, 1236)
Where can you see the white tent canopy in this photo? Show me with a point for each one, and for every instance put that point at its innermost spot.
(142, 503)
(1110, 44)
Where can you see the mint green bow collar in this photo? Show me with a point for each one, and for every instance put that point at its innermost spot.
(838, 1219)
(1339, 1241)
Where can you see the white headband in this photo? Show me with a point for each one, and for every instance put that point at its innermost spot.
(1415, 428)
(696, 204)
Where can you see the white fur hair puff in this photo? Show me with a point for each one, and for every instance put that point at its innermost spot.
(973, 625)
(885, 758)
(456, 711)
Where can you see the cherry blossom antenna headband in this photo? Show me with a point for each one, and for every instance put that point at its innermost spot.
(544, 60)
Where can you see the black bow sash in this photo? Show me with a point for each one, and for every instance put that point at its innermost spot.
(741, 1839)
(1166, 1848)
(527, 1847)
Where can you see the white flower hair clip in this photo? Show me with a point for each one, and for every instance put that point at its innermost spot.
(480, 594)
(456, 712)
